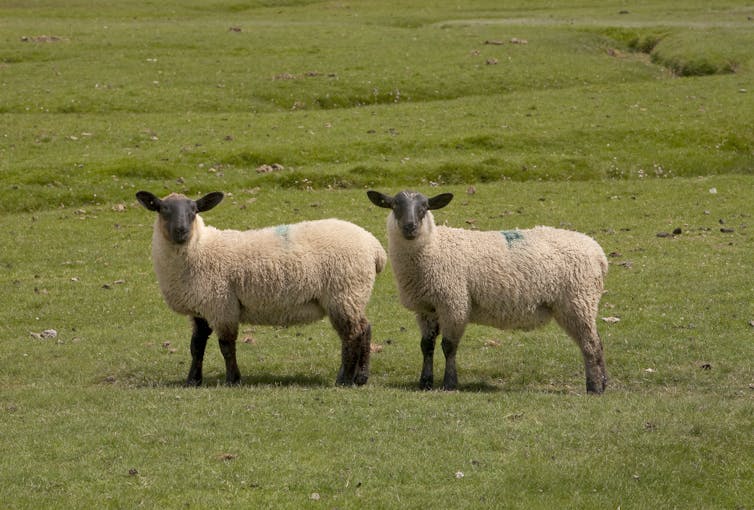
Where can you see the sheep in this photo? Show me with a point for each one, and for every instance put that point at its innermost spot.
(515, 279)
(284, 275)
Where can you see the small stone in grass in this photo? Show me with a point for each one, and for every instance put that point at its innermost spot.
(47, 333)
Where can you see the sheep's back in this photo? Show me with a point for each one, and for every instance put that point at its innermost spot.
(500, 273)
(300, 262)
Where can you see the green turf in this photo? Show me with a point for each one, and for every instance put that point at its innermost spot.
(623, 121)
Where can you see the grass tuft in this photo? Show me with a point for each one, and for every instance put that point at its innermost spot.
(251, 160)
(704, 52)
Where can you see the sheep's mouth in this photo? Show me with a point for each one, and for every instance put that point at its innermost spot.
(179, 237)
(410, 236)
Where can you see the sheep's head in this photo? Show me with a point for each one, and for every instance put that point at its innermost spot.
(177, 212)
(409, 209)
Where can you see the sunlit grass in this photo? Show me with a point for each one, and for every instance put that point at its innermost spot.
(621, 122)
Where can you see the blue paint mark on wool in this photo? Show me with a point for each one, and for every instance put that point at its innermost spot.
(282, 231)
(512, 236)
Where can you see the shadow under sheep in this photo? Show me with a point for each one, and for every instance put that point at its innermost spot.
(258, 379)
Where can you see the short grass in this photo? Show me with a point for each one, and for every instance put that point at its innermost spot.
(624, 122)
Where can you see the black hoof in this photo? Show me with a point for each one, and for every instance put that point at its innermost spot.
(450, 383)
(193, 383)
(233, 380)
(596, 388)
(342, 381)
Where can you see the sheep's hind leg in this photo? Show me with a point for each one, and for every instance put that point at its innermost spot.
(355, 336)
(429, 329)
(584, 332)
(594, 363)
(227, 341)
(365, 348)
(199, 337)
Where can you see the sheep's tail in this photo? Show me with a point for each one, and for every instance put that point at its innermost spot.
(380, 257)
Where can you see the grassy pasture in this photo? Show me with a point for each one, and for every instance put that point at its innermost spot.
(624, 122)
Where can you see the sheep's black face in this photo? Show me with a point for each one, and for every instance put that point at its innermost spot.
(177, 216)
(409, 209)
(177, 213)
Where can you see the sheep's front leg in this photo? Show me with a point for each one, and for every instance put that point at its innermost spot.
(449, 348)
(429, 329)
(199, 337)
(453, 319)
(227, 340)
(452, 327)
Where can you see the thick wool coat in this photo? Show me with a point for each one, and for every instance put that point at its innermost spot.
(280, 275)
(515, 279)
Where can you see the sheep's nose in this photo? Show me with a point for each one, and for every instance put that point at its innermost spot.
(409, 230)
(180, 235)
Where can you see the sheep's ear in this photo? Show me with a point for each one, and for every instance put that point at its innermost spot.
(148, 200)
(209, 201)
(380, 199)
(440, 201)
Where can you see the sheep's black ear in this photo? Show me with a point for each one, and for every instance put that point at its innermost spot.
(148, 200)
(380, 199)
(209, 201)
(440, 201)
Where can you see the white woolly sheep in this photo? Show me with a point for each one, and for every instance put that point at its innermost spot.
(515, 279)
(290, 274)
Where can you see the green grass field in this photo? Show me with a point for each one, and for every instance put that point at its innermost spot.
(621, 120)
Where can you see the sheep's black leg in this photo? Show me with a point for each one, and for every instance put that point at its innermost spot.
(449, 348)
(429, 329)
(198, 343)
(227, 341)
(584, 332)
(365, 348)
(594, 362)
(348, 358)
(355, 339)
